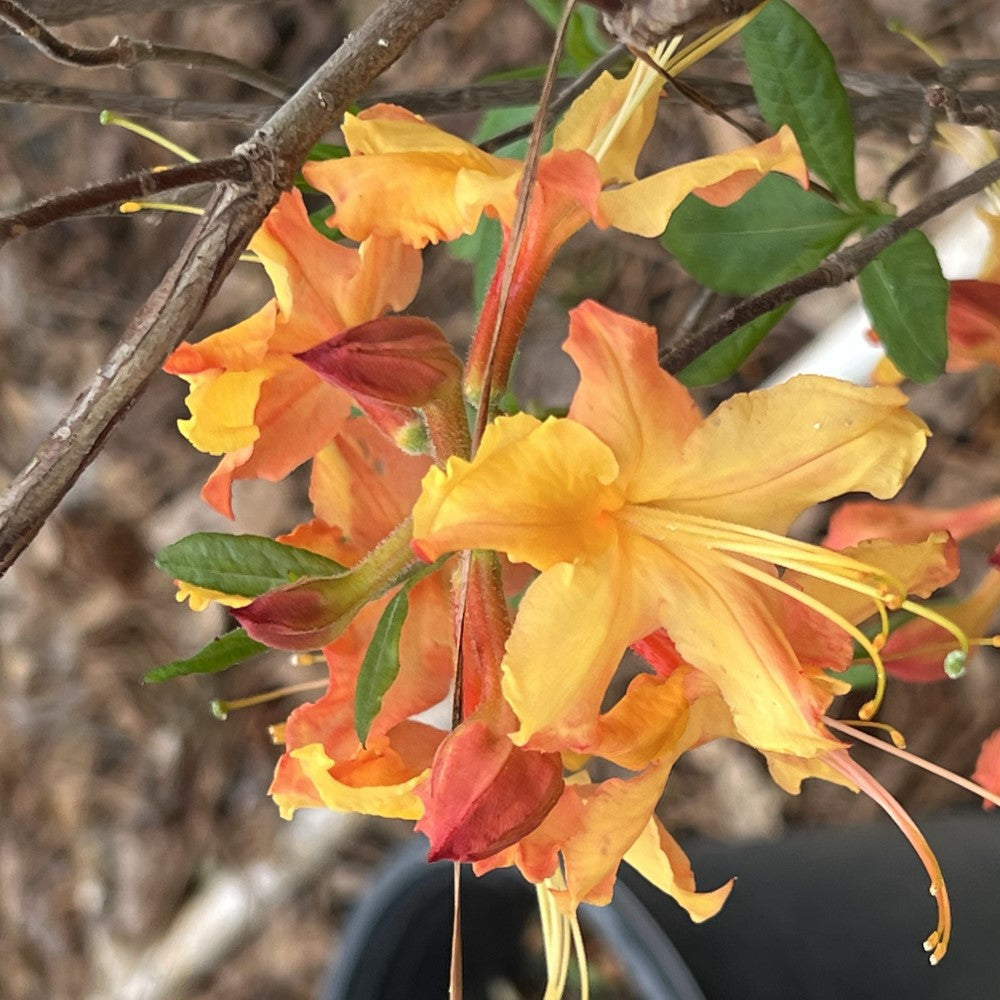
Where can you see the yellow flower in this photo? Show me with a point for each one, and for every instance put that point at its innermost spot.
(641, 515)
(411, 181)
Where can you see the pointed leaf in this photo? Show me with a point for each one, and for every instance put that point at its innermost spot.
(220, 654)
(380, 666)
(906, 298)
(247, 565)
(775, 231)
(796, 83)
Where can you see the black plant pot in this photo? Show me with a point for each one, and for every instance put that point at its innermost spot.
(831, 914)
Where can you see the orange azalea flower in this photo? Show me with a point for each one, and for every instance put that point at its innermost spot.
(251, 400)
(410, 180)
(641, 515)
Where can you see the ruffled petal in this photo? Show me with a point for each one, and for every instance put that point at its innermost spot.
(616, 813)
(240, 348)
(414, 182)
(645, 725)
(645, 207)
(537, 491)
(297, 415)
(639, 411)
(386, 791)
(763, 457)
(659, 859)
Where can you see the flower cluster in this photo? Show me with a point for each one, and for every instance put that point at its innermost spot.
(552, 545)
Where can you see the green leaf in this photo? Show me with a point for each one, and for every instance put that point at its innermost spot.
(318, 222)
(327, 151)
(380, 666)
(585, 42)
(721, 360)
(775, 231)
(245, 565)
(796, 83)
(481, 249)
(220, 654)
(906, 297)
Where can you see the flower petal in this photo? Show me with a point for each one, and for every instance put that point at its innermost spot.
(856, 521)
(761, 458)
(414, 182)
(645, 207)
(595, 109)
(388, 790)
(572, 628)
(536, 491)
(658, 858)
(625, 398)
(729, 627)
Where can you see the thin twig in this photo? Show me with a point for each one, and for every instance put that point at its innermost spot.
(125, 52)
(178, 109)
(141, 184)
(211, 251)
(67, 11)
(837, 269)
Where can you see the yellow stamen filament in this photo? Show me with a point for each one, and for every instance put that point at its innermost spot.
(645, 79)
(562, 938)
(762, 576)
(131, 207)
(672, 62)
(222, 708)
(913, 38)
(741, 542)
(111, 118)
(937, 941)
(709, 41)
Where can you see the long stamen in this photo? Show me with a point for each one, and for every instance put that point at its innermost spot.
(664, 522)
(220, 708)
(554, 937)
(910, 758)
(111, 118)
(937, 941)
(741, 542)
(644, 80)
(775, 583)
(708, 42)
